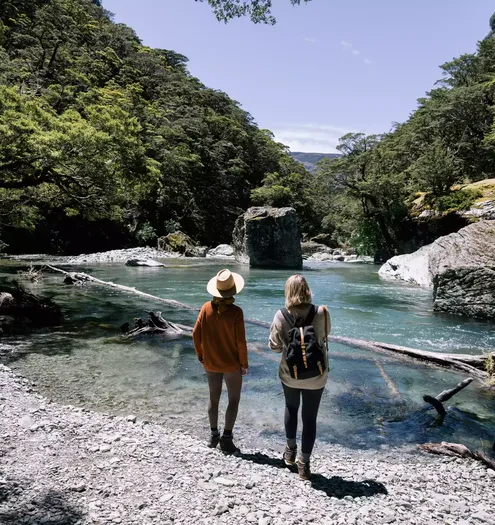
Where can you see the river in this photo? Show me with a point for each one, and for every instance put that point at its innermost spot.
(87, 363)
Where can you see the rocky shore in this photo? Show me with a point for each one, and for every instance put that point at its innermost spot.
(62, 465)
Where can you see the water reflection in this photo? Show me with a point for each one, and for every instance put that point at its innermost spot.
(85, 362)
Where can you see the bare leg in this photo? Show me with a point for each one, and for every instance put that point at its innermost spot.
(215, 383)
(234, 385)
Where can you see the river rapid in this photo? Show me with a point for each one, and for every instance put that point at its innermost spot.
(87, 363)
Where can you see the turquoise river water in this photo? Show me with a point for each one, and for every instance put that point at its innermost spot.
(86, 362)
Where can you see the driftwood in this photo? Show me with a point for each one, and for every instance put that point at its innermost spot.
(457, 450)
(31, 274)
(438, 401)
(474, 365)
(156, 325)
(20, 309)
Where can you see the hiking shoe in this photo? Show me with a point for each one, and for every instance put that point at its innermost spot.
(227, 445)
(304, 470)
(214, 441)
(290, 456)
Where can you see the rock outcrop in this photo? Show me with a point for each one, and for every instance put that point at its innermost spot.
(472, 246)
(266, 237)
(468, 291)
(460, 266)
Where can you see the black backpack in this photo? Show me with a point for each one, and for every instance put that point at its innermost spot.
(305, 357)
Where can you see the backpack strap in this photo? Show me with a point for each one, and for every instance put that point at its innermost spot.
(310, 316)
(325, 311)
(288, 317)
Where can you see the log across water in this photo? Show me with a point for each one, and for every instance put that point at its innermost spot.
(474, 365)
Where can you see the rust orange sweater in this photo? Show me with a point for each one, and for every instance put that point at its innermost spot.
(220, 339)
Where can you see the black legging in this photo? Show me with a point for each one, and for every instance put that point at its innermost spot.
(310, 405)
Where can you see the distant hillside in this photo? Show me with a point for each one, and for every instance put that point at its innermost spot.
(309, 160)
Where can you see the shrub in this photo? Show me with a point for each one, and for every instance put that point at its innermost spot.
(457, 200)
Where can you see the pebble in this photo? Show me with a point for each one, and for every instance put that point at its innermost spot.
(161, 475)
(225, 482)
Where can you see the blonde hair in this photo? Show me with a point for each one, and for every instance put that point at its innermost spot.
(297, 291)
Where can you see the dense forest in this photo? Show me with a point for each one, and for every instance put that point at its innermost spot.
(375, 194)
(106, 143)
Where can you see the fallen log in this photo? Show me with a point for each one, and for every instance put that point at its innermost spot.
(457, 450)
(474, 365)
(157, 325)
(438, 401)
(81, 277)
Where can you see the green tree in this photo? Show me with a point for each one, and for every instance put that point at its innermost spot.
(259, 11)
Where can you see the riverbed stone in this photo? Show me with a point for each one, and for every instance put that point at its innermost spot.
(159, 479)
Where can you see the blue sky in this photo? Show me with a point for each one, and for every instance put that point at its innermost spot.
(326, 68)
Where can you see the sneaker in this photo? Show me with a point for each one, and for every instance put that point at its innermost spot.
(227, 445)
(304, 470)
(214, 440)
(290, 456)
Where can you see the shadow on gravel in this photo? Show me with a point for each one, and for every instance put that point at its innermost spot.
(335, 486)
(19, 505)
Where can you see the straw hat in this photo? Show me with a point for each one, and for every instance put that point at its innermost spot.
(225, 284)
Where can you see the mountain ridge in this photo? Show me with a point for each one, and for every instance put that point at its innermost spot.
(309, 160)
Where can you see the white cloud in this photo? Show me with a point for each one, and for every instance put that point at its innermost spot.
(310, 137)
(310, 40)
(348, 47)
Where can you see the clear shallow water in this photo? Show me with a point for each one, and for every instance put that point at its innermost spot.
(86, 363)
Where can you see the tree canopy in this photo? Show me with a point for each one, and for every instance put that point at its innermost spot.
(370, 195)
(259, 11)
(105, 141)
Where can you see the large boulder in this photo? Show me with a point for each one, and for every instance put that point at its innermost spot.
(310, 248)
(472, 246)
(221, 251)
(324, 238)
(268, 237)
(466, 291)
(177, 242)
(460, 266)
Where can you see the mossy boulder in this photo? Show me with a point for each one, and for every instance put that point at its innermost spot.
(177, 242)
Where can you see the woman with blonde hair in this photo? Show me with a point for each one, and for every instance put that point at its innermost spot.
(220, 343)
(299, 332)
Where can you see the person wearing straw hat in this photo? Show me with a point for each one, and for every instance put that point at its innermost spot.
(220, 343)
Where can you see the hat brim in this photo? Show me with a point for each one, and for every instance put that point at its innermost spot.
(238, 286)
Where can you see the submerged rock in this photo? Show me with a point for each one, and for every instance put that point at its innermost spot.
(143, 262)
(266, 237)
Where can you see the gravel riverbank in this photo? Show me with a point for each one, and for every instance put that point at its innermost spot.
(62, 465)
